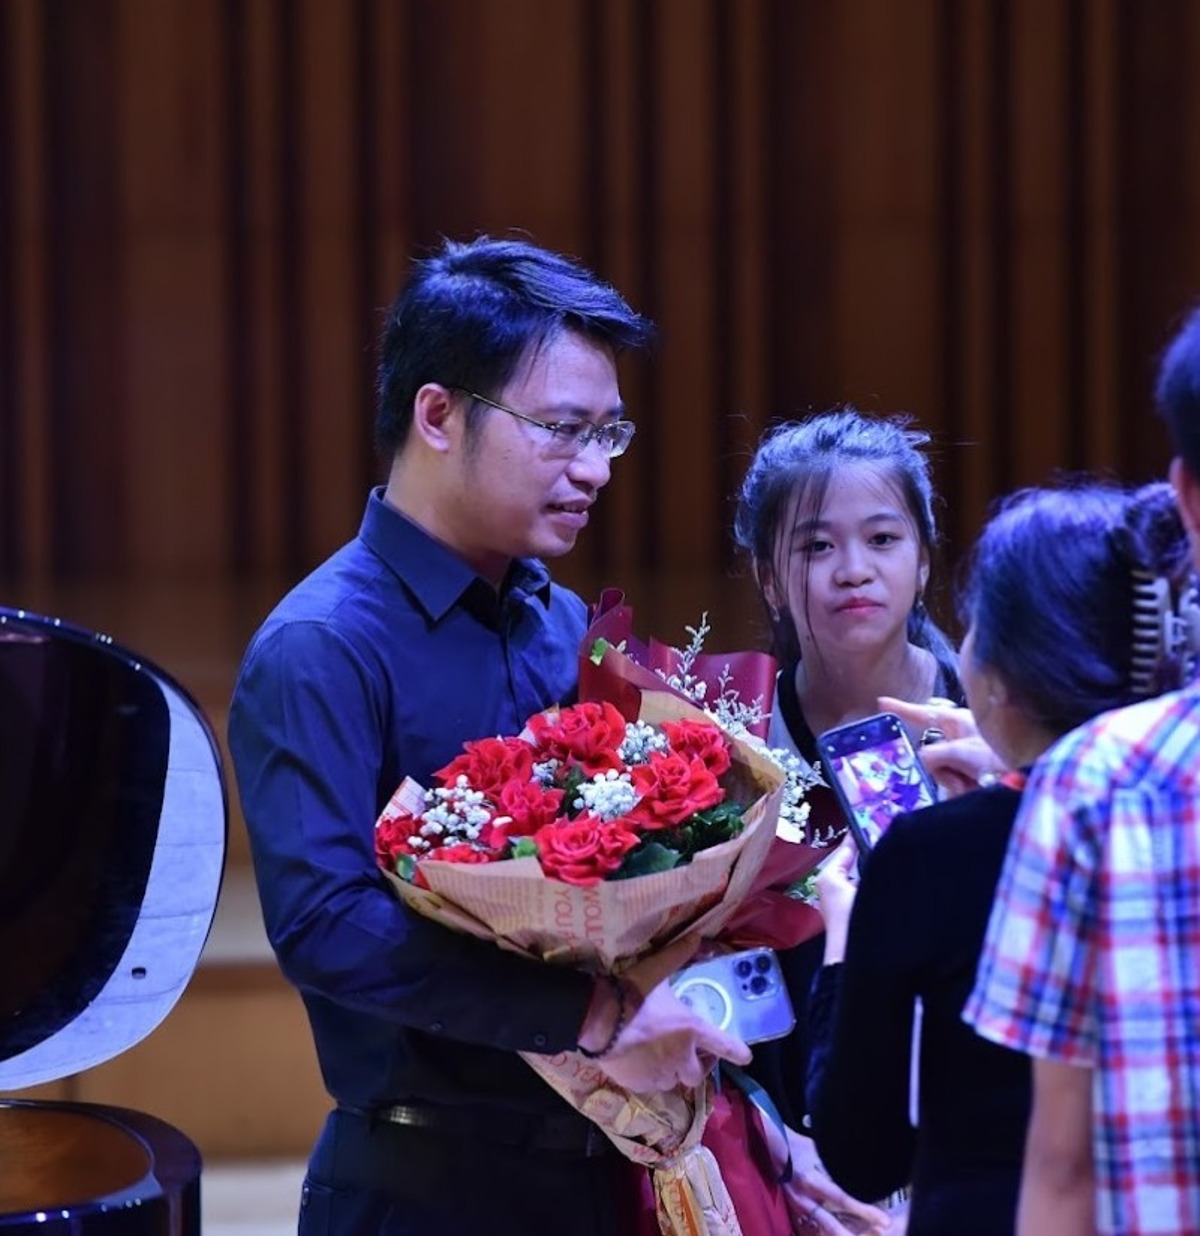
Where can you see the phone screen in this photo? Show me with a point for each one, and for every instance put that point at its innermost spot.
(877, 774)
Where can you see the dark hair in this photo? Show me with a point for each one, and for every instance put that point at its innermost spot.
(795, 462)
(1049, 593)
(472, 311)
(1177, 391)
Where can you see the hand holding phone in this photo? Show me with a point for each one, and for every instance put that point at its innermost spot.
(837, 888)
(742, 993)
(876, 773)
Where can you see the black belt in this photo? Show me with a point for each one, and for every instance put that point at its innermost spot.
(566, 1134)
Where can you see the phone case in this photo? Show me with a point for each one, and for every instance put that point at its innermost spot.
(743, 993)
(876, 773)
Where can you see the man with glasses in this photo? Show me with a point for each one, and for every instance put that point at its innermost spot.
(499, 405)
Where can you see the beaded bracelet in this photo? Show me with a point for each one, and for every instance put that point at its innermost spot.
(618, 990)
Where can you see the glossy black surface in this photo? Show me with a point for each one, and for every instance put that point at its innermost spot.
(83, 1168)
(112, 841)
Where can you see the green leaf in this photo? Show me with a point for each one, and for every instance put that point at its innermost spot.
(723, 814)
(599, 648)
(570, 783)
(713, 826)
(524, 847)
(646, 860)
(406, 867)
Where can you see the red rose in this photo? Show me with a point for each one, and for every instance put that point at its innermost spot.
(584, 850)
(587, 735)
(700, 740)
(489, 764)
(673, 788)
(462, 852)
(529, 807)
(393, 835)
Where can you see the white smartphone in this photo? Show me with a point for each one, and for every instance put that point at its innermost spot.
(743, 993)
(876, 773)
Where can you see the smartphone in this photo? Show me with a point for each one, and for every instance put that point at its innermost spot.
(876, 773)
(743, 993)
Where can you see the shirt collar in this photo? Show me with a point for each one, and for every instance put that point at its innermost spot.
(435, 575)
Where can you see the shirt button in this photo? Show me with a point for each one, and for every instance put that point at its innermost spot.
(436, 1027)
(539, 1040)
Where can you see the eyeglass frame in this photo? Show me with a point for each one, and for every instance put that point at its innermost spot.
(581, 441)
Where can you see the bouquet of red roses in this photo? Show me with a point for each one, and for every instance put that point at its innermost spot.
(736, 690)
(596, 839)
(588, 794)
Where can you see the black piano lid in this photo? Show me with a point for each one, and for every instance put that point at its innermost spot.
(113, 823)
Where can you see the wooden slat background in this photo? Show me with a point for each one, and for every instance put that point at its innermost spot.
(984, 212)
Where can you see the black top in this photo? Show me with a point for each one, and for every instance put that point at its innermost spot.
(917, 931)
(781, 1065)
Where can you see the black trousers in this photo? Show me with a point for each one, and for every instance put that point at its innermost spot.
(382, 1179)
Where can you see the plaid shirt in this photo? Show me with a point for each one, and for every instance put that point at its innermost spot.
(1092, 954)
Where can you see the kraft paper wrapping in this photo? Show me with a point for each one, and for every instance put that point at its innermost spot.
(660, 1131)
(606, 928)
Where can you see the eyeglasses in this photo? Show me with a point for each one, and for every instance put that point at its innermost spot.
(571, 438)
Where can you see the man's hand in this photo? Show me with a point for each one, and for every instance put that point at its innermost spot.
(665, 1044)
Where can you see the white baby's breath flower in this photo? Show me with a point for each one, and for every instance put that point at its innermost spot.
(454, 813)
(544, 773)
(607, 795)
(799, 777)
(640, 741)
(739, 719)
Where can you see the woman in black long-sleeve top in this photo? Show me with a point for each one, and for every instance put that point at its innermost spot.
(1052, 640)
(916, 931)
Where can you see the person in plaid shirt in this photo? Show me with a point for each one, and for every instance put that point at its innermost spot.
(1092, 958)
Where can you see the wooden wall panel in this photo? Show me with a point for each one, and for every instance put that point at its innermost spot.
(1157, 269)
(91, 476)
(964, 67)
(25, 464)
(261, 427)
(686, 411)
(885, 289)
(170, 115)
(801, 136)
(741, 274)
(614, 192)
(510, 86)
(983, 212)
(1097, 327)
(1040, 239)
(327, 415)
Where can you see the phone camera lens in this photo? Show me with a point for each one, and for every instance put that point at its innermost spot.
(742, 968)
(762, 963)
(759, 984)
